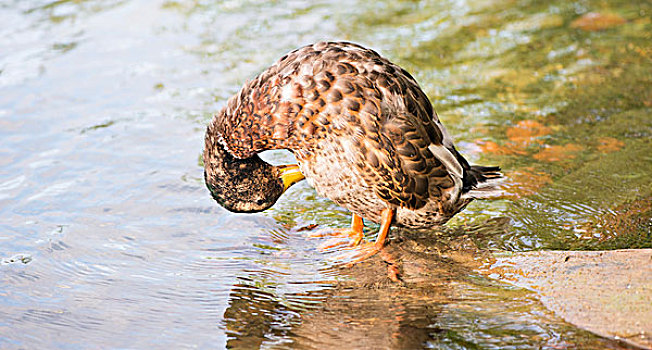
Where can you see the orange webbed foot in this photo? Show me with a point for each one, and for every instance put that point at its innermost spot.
(358, 254)
(345, 236)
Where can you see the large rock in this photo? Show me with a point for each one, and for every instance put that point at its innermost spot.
(605, 292)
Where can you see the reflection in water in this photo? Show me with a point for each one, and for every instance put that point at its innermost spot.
(373, 319)
(256, 315)
(440, 303)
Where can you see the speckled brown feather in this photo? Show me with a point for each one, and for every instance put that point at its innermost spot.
(338, 97)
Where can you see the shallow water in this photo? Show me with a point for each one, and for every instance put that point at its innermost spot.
(109, 239)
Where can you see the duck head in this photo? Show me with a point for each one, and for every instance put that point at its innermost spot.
(244, 185)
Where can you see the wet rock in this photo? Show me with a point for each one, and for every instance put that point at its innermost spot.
(605, 292)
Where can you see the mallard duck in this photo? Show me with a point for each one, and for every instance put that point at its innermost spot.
(363, 133)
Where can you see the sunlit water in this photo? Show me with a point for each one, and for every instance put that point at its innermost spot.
(108, 238)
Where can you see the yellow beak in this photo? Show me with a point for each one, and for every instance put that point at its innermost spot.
(290, 174)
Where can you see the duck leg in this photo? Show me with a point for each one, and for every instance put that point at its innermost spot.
(356, 234)
(386, 222)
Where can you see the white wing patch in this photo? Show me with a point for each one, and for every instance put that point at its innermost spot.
(448, 159)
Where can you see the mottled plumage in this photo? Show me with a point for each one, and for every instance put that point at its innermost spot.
(362, 130)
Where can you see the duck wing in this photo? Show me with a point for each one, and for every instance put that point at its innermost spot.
(409, 153)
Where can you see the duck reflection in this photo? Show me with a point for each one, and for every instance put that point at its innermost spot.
(363, 309)
(256, 314)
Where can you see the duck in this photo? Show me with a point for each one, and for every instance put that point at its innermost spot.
(363, 133)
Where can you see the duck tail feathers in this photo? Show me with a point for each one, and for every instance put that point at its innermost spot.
(482, 182)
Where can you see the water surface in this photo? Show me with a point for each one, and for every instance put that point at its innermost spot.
(109, 239)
